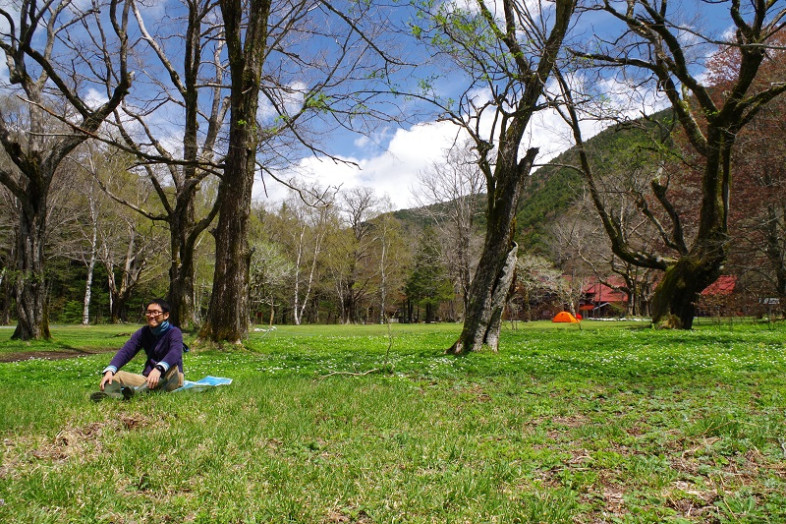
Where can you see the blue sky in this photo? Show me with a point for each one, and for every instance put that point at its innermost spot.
(388, 157)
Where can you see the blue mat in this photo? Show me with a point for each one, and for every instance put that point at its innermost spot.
(203, 384)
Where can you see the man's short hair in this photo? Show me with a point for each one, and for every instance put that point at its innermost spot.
(163, 304)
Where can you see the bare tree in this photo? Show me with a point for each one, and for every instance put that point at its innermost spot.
(308, 223)
(310, 53)
(125, 251)
(507, 50)
(453, 190)
(196, 93)
(271, 272)
(51, 51)
(536, 280)
(85, 207)
(129, 245)
(653, 45)
(391, 256)
(580, 247)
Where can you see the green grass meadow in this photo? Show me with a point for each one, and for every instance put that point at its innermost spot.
(612, 422)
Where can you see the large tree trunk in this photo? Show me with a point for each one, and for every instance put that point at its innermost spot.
(674, 300)
(494, 273)
(484, 316)
(675, 297)
(5, 298)
(29, 286)
(465, 269)
(181, 270)
(228, 313)
(499, 297)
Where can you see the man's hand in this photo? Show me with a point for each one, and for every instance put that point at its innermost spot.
(107, 379)
(152, 378)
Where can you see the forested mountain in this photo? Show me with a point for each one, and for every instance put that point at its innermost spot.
(555, 187)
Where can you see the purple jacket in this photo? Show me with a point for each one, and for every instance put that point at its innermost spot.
(166, 350)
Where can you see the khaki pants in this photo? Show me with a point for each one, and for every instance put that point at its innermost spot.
(135, 379)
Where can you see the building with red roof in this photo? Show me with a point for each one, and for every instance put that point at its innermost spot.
(608, 298)
(604, 299)
(724, 286)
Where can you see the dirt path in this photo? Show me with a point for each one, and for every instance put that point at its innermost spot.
(49, 355)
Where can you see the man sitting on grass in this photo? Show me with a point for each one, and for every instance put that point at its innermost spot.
(163, 345)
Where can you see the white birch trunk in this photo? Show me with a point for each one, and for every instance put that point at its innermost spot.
(92, 262)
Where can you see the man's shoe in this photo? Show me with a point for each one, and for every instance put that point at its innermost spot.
(170, 380)
(98, 396)
(127, 392)
(114, 390)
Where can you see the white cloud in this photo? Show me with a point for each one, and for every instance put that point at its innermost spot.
(495, 7)
(374, 141)
(390, 173)
(629, 99)
(94, 99)
(292, 97)
(394, 172)
(729, 34)
(362, 142)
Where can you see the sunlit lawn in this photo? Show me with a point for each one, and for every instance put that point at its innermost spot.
(611, 423)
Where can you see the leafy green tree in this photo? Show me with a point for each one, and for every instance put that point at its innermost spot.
(428, 285)
(390, 257)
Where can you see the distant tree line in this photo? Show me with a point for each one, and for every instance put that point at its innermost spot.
(129, 149)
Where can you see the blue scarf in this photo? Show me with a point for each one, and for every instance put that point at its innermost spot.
(160, 329)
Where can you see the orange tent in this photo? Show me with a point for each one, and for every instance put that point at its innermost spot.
(564, 316)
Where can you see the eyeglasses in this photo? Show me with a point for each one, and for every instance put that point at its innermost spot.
(153, 313)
